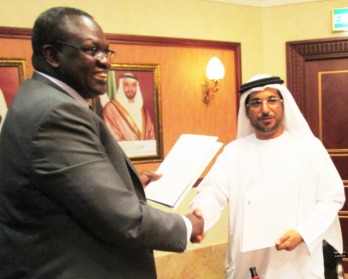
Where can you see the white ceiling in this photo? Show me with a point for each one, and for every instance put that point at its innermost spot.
(264, 3)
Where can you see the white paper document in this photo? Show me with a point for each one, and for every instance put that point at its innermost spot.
(266, 217)
(181, 168)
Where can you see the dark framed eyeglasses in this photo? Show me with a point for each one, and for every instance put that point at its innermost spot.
(95, 52)
(271, 102)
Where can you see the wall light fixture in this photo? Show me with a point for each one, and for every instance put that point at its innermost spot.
(215, 72)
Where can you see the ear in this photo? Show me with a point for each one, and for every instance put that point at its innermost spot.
(51, 55)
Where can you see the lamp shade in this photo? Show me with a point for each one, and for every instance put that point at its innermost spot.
(215, 69)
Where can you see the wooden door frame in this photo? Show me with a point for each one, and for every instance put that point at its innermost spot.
(299, 52)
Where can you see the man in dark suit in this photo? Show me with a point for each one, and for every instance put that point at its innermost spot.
(71, 203)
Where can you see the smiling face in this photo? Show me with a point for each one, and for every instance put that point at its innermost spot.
(267, 119)
(77, 68)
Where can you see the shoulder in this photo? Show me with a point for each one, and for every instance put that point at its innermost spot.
(307, 147)
(40, 94)
(38, 103)
(305, 141)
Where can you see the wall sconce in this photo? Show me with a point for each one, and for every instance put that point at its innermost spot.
(215, 72)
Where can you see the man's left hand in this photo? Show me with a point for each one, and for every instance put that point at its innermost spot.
(146, 177)
(289, 241)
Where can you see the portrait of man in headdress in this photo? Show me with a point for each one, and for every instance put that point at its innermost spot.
(126, 115)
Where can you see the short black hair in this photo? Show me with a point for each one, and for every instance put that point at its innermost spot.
(47, 29)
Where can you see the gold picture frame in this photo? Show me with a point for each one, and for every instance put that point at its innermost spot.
(133, 114)
(12, 74)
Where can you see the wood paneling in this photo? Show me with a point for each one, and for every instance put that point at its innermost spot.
(182, 68)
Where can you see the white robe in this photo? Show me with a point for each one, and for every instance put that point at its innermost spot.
(286, 162)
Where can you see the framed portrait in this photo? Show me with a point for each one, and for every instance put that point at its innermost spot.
(12, 74)
(131, 110)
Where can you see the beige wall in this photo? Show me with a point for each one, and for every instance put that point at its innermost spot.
(262, 33)
(293, 23)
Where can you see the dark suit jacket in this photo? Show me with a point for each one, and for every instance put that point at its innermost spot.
(71, 203)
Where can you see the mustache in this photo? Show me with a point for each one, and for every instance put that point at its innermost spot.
(265, 116)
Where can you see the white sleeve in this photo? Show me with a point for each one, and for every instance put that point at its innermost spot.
(211, 198)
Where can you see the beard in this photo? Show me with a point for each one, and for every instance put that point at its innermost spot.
(257, 125)
(130, 94)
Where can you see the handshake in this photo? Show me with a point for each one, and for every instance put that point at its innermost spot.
(197, 222)
(195, 217)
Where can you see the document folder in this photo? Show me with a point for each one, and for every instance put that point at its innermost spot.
(181, 168)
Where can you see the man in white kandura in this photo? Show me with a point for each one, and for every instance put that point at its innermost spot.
(275, 150)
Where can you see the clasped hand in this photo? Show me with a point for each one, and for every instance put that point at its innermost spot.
(197, 222)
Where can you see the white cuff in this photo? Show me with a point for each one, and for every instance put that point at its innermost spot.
(189, 228)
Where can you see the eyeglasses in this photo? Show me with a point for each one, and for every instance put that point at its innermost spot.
(272, 102)
(95, 52)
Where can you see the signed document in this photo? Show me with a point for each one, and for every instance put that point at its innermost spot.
(181, 168)
(267, 215)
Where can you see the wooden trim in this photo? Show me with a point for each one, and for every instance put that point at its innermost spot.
(164, 41)
(25, 33)
(15, 33)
